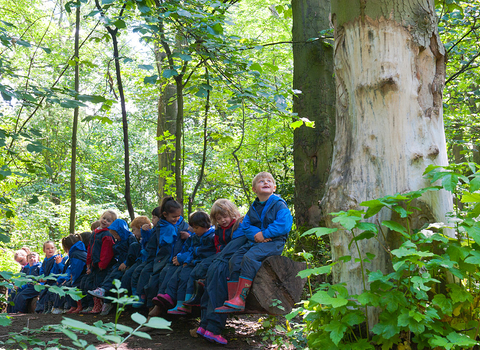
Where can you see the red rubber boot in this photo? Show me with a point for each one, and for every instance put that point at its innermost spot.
(232, 289)
(238, 301)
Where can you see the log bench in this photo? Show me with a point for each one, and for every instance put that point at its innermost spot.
(276, 284)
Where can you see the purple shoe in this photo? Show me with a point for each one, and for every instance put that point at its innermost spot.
(201, 331)
(216, 338)
(164, 300)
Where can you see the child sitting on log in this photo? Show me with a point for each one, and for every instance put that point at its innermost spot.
(266, 227)
(27, 291)
(198, 246)
(226, 218)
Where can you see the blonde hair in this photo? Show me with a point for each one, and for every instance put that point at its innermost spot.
(112, 213)
(22, 251)
(262, 175)
(225, 208)
(139, 221)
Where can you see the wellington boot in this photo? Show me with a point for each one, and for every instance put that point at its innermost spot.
(97, 306)
(197, 296)
(238, 301)
(77, 309)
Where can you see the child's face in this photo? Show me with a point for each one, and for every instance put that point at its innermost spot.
(32, 260)
(115, 235)
(199, 231)
(223, 220)
(136, 232)
(49, 250)
(155, 220)
(172, 217)
(21, 258)
(264, 186)
(106, 220)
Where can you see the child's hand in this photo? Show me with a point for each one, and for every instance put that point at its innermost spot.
(184, 235)
(58, 259)
(89, 270)
(259, 237)
(122, 267)
(175, 261)
(146, 227)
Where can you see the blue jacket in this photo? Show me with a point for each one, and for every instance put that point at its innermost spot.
(120, 248)
(197, 248)
(47, 267)
(60, 267)
(169, 236)
(31, 271)
(76, 263)
(275, 220)
(223, 235)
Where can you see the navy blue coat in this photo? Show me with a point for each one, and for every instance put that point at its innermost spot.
(197, 248)
(275, 220)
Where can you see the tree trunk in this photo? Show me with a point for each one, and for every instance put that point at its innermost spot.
(178, 140)
(276, 281)
(166, 121)
(73, 166)
(390, 72)
(313, 76)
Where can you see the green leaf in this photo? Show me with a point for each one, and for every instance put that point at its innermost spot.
(257, 67)
(92, 98)
(139, 318)
(46, 49)
(349, 222)
(5, 320)
(107, 2)
(68, 322)
(142, 335)
(120, 24)
(394, 226)
(184, 13)
(337, 330)
(470, 197)
(151, 80)
(319, 231)
(145, 66)
(23, 43)
(443, 303)
(323, 298)
(168, 73)
(316, 271)
(158, 323)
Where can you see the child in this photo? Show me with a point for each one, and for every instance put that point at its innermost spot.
(44, 304)
(134, 255)
(74, 271)
(147, 253)
(123, 239)
(99, 259)
(27, 292)
(266, 227)
(162, 246)
(20, 257)
(199, 246)
(226, 218)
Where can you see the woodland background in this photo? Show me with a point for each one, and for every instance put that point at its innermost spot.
(233, 61)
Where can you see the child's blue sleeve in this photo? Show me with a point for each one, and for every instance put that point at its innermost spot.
(185, 256)
(282, 224)
(238, 232)
(249, 230)
(76, 269)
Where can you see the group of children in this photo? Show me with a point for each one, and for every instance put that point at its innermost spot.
(171, 267)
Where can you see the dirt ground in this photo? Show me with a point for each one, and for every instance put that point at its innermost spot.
(241, 333)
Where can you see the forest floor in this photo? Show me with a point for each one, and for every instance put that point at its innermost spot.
(241, 333)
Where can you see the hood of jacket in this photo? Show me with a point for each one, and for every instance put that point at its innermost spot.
(121, 227)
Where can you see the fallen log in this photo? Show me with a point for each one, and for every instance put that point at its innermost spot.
(276, 287)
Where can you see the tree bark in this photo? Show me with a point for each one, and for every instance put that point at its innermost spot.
(116, 57)
(73, 166)
(313, 76)
(390, 72)
(166, 121)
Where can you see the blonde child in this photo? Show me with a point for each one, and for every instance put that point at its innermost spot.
(44, 304)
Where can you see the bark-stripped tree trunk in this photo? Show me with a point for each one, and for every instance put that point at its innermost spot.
(166, 121)
(390, 72)
(313, 76)
(73, 166)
